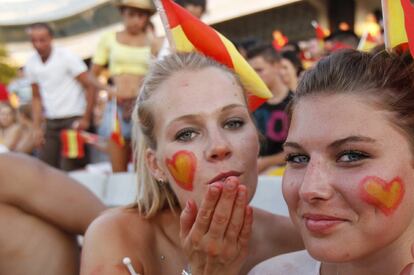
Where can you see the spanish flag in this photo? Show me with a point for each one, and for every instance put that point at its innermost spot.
(398, 23)
(187, 33)
(279, 40)
(367, 42)
(72, 144)
(116, 134)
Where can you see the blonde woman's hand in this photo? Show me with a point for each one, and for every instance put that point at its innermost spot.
(215, 237)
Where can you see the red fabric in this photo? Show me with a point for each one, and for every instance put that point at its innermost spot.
(4, 94)
(319, 32)
(408, 8)
(204, 38)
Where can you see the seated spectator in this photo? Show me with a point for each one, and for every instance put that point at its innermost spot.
(10, 131)
(339, 40)
(21, 87)
(26, 142)
(41, 213)
(271, 117)
(291, 68)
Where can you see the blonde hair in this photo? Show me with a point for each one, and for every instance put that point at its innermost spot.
(154, 196)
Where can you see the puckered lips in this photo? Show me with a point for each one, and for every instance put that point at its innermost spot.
(224, 175)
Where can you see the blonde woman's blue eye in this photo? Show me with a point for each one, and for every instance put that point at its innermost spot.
(352, 156)
(234, 124)
(297, 158)
(186, 135)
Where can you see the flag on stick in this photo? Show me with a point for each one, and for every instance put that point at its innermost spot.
(116, 134)
(398, 23)
(187, 33)
(72, 144)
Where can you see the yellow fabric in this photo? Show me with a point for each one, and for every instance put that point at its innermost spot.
(72, 144)
(394, 23)
(182, 44)
(121, 59)
(248, 76)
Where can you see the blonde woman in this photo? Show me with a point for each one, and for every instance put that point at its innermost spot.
(197, 140)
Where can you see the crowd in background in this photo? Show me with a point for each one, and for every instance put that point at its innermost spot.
(115, 74)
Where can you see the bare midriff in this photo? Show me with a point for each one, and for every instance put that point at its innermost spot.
(127, 85)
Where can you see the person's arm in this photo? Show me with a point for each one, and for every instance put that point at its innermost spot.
(216, 237)
(37, 115)
(268, 161)
(47, 193)
(13, 137)
(94, 73)
(90, 95)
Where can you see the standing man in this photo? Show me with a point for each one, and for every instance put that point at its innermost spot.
(62, 93)
(271, 117)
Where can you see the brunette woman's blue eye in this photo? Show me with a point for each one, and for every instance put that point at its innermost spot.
(351, 156)
(297, 158)
(186, 134)
(233, 123)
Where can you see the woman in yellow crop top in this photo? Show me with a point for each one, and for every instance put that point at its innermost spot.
(127, 54)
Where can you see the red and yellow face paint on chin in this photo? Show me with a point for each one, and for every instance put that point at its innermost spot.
(386, 196)
(182, 167)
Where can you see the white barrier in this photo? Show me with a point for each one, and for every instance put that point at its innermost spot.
(120, 189)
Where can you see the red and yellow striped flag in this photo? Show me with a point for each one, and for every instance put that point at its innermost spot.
(72, 144)
(187, 34)
(398, 23)
(116, 134)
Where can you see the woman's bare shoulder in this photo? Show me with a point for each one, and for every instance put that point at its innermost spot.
(125, 225)
(116, 234)
(295, 263)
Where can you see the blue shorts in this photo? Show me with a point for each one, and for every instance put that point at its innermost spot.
(105, 128)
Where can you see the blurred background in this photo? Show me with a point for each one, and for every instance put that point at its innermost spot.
(78, 24)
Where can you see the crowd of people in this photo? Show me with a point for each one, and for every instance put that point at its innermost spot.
(342, 129)
(98, 99)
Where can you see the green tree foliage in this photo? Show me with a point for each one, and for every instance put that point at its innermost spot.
(7, 71)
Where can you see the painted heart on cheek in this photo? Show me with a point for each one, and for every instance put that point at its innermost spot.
(182, 168)
(386, 196)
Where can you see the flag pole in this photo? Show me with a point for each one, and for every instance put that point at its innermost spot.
(164, 20)
(386, 25)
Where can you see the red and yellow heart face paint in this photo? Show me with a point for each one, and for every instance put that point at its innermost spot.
(386, 196)
(182, 167)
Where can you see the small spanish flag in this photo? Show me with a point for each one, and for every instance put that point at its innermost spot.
(186, 33)
(398, 23)
(72, 144)
(279, 40)
(367, 42)
(116, 134)
(320, 33)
